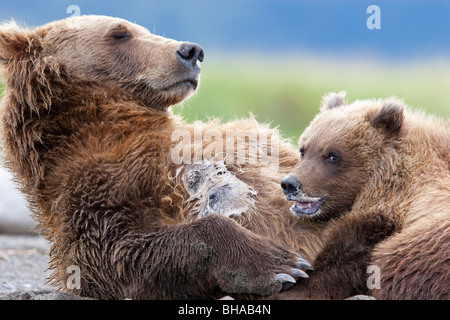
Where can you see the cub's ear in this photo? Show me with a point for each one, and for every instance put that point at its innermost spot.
(14, 42)
(333, 100)
(390, 116)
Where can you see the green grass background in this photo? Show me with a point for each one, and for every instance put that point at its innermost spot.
(286, 91)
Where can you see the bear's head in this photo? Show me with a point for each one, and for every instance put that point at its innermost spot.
(340, 152)
(109, 52)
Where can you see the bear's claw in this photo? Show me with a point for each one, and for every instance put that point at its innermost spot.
(297, 273)
(284, 277)
(303, 264)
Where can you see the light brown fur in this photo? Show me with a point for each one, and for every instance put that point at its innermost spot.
(386, 195)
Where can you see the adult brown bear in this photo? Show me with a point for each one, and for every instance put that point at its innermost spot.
(89, 137)
(380, 174)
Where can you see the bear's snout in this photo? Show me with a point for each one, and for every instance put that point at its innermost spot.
(189, 53)
(291, 186)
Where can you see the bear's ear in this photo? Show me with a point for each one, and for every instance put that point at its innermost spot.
(390, 116)
(14, 42)
(333, 100)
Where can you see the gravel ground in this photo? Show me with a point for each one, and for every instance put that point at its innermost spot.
(23, 263)
(23, 270)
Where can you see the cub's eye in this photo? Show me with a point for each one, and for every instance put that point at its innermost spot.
(302, 152)
(121, 36)
(332, 157)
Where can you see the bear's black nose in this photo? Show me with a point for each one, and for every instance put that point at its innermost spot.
(291, 186)
(189, 53)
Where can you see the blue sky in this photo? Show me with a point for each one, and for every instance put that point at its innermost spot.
(409, 29)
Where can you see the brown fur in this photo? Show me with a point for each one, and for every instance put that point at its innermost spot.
(87, 134)
(387, 200)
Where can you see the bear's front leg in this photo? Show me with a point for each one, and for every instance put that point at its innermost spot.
(207, 258)
(340, 269)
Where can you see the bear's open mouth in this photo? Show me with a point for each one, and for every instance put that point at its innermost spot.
(308, 206)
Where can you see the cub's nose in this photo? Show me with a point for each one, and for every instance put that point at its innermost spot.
(189, 53)
(291, 186)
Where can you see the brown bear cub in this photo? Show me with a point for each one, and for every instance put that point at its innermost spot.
(88, 134)
(379, 173)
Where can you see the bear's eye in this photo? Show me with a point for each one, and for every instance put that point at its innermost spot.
(332, 157)
(302, 152)
(121, 36)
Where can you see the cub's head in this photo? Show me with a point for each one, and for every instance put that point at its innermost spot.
(110, 52)
(339, 153)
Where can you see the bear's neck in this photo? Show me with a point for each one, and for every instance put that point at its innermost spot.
(39, 122)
